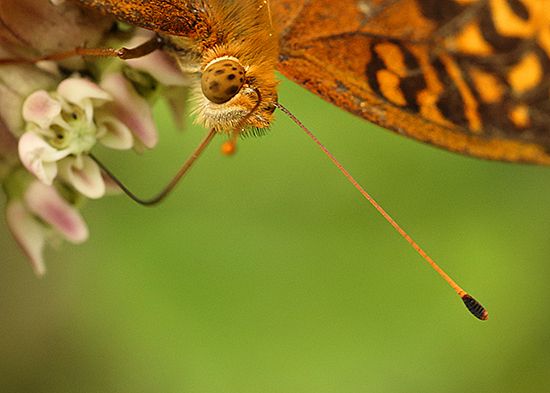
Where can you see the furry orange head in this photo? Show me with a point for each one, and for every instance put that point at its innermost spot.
(232, 53)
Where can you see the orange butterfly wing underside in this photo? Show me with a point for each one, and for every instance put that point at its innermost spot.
(470, 76)
(162, 16)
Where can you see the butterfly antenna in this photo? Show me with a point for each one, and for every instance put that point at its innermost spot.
(170, 186)
(473, 305)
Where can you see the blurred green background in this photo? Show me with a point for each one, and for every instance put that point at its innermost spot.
(267, 272)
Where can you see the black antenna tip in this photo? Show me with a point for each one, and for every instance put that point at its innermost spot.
(475, 307)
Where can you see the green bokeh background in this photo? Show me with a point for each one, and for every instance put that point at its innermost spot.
(267, 272)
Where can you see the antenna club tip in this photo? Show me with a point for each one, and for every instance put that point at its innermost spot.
(475, 307)
(229, 148)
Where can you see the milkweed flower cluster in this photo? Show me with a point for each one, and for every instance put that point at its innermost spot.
(64, 125)
(53, 114)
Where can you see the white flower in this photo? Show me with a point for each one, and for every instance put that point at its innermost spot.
(16, 83)
(58, 122)
(63, 126)
(39, 215)
(39, 157)
(29, 234)
(159, 64)
(128, 106)
(164, 69)
(84, 174)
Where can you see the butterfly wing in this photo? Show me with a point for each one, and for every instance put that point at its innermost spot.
(469, 76)
(174, 17)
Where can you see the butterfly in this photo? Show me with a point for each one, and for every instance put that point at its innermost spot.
(469, 76)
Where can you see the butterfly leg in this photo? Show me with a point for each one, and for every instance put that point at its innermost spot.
(123, 53)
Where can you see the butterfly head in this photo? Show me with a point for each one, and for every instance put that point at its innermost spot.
(235, 96)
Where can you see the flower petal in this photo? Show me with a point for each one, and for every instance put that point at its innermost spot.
(84, 175)
(49, 66)
(39, 157)
(76, 90)
(132, 109)
(29, 234)
(161, 67)
(46, 203)
(17, 83)
(113, 133)
(41, 109)
(158, 64)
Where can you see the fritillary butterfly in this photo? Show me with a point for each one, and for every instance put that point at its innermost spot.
(470, 76)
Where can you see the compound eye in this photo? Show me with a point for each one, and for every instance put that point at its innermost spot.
(222, 80)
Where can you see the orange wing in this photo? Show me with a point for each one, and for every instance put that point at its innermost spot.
(470, 76)
(176, 17)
